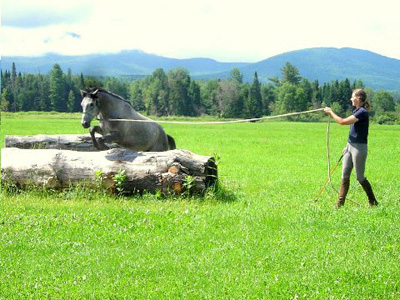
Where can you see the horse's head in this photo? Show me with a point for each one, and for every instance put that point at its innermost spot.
(90, 106)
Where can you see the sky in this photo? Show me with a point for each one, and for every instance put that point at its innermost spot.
(224, 30)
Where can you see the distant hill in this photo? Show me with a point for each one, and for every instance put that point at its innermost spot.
(327, 64)
(128, 62)
(323, 64)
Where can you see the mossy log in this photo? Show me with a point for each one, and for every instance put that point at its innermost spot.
(169, 171)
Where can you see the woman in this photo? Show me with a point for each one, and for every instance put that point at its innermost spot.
(355, 154)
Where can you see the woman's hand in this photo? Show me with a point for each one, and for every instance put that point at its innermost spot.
(328, 110)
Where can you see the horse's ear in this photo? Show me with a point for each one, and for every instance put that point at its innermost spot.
(84, 93)
(94, 95)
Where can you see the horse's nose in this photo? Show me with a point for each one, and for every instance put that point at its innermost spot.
(85, 124)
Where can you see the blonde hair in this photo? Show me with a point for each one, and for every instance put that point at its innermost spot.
(362, 95)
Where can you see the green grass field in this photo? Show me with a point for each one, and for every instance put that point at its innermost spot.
(263, 237)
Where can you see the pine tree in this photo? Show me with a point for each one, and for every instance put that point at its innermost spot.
(71, 101)
(81, 82)
(237, 75)
(44, 93)
(157, 94)
(290, 74)
(14, 87)
(268, 97)
(286, 96)
(4, 104)
(345, 92)
(13, 73)
(253, 105)
(179, 100)
(57, 89)
(136, 95)
(194, 95)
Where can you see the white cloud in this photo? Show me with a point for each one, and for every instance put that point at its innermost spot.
(40, 13)
(225, 30)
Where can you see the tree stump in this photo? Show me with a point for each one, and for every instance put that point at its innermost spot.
(170, 171)
(77, 142)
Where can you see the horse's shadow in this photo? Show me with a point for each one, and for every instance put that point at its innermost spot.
(119, 154)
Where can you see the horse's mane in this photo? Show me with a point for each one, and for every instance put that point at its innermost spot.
(93, 89)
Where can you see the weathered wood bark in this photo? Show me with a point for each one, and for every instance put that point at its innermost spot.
(77, 142)
(151, 171)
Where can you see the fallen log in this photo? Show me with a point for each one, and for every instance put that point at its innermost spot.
(77, 142)
(170, 171)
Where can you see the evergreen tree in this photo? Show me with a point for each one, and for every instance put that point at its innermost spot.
(194, 95)
(345, 94)
(268, 97)
(275, 80)
(4, 104)
(285, 98)
(358, 84)
(44, 93)
(13, 73)
(335, 92)
(71, 101)
(136, 96)
(179, 100)
(27, 97)
(308, 91)
(209, 92)
(237, 76)
(301, 100)
(81, 82)
(290, 74)
(316, 98)
(157, 94)
(14, 87)
(253, 105)
(117, 86)
(57, 89)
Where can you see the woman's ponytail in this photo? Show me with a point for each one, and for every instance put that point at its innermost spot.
(367, 105)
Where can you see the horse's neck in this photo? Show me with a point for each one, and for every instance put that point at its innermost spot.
(114, 108)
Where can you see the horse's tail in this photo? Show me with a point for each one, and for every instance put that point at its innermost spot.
(171, 142)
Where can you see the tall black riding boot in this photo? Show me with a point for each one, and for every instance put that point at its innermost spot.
(368, 190)
(344, 188)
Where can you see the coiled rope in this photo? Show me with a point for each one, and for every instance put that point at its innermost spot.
(330, 173)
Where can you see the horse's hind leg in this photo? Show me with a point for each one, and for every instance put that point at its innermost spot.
(160, 145)
(171, 142)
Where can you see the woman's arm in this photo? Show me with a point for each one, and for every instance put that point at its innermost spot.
(342, 121)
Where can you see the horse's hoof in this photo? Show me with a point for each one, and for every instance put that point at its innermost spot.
(103, 147)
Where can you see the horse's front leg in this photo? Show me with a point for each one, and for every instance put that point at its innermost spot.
(99, 143)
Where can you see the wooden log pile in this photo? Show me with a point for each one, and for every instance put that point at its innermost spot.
(170, 171)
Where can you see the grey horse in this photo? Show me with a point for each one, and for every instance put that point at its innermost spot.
(136, 136)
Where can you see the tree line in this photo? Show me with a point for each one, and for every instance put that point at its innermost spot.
(175, 93)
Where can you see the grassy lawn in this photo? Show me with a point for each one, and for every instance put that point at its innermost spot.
(264, 237)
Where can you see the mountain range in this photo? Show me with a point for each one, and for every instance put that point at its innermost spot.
(322, 64)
